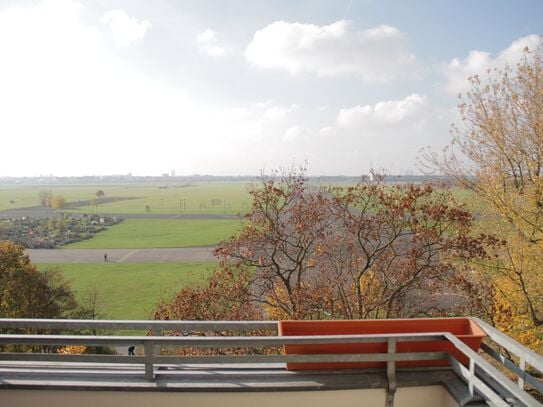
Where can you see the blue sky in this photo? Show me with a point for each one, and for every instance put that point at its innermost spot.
(234, 87)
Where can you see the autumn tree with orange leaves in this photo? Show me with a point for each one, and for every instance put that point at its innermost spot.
(366, 251)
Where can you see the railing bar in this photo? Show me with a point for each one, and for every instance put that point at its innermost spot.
(492, 371)
(481, 387)
(529, 379)
(215, 341)
(511, 345)
(218, 359)
(321, 358)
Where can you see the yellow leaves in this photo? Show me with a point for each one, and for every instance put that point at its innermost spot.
(368, 284)
(72, 350)
(512, 315)
(274, 312)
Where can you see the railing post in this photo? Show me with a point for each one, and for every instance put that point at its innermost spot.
(471, 376)
(156, 349)
(522, 365)
(391, 373)
(149, 370)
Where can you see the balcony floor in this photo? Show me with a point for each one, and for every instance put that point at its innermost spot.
(194, 378)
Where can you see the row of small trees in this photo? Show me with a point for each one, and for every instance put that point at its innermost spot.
(49, 200)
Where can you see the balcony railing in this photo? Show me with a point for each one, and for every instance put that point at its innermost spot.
(482, 378)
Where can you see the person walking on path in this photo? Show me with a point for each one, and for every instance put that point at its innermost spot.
(105, 257)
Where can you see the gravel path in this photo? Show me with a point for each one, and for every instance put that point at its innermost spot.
(166, 255)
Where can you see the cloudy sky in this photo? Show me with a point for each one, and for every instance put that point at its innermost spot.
(231, 87)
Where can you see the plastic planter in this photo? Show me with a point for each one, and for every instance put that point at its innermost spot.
(463, 328)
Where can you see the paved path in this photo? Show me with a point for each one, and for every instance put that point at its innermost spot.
(169, 255)
(41, 212)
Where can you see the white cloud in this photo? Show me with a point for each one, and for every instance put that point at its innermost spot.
(209, 44)
(257, 122)
(387, 134)
(297, 133)
(387, 113)
(377, 54)
(457, 71)
(126, 30)
(351, 140)
(70, 106)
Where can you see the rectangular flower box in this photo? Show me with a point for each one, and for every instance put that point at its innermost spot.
(463, 328)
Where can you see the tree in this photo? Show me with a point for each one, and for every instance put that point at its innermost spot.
(403, 246)
(45, 198)
(99, 194)
(366, 251)
(284, 226)
(91, 305)
(497, 153)
(49, 200)
(26, 292)
(58, 202)
(224, 297)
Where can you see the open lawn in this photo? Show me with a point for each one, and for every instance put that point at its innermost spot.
(131, 290)
(229, 198)
(154, 233)
(22, 197)
(210, 197)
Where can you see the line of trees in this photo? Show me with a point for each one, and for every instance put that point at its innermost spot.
(49, 200)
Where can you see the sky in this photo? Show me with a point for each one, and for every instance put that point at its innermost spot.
(232, 87)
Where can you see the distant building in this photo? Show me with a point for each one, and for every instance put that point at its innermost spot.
(173, 173)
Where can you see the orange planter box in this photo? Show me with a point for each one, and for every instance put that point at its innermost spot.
(463, 328)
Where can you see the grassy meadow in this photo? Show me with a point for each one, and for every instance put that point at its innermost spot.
(131, 290)
(218, 197)
(156, 233)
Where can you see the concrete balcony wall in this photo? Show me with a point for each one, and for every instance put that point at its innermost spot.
(426, 396)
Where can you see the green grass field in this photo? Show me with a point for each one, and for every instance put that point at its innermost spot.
(131, 290)
(153, 233)
(217, 197)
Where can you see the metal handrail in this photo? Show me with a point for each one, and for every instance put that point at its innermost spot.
(473, 375)
(477, 362)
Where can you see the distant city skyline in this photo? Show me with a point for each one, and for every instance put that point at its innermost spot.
(237, 87)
